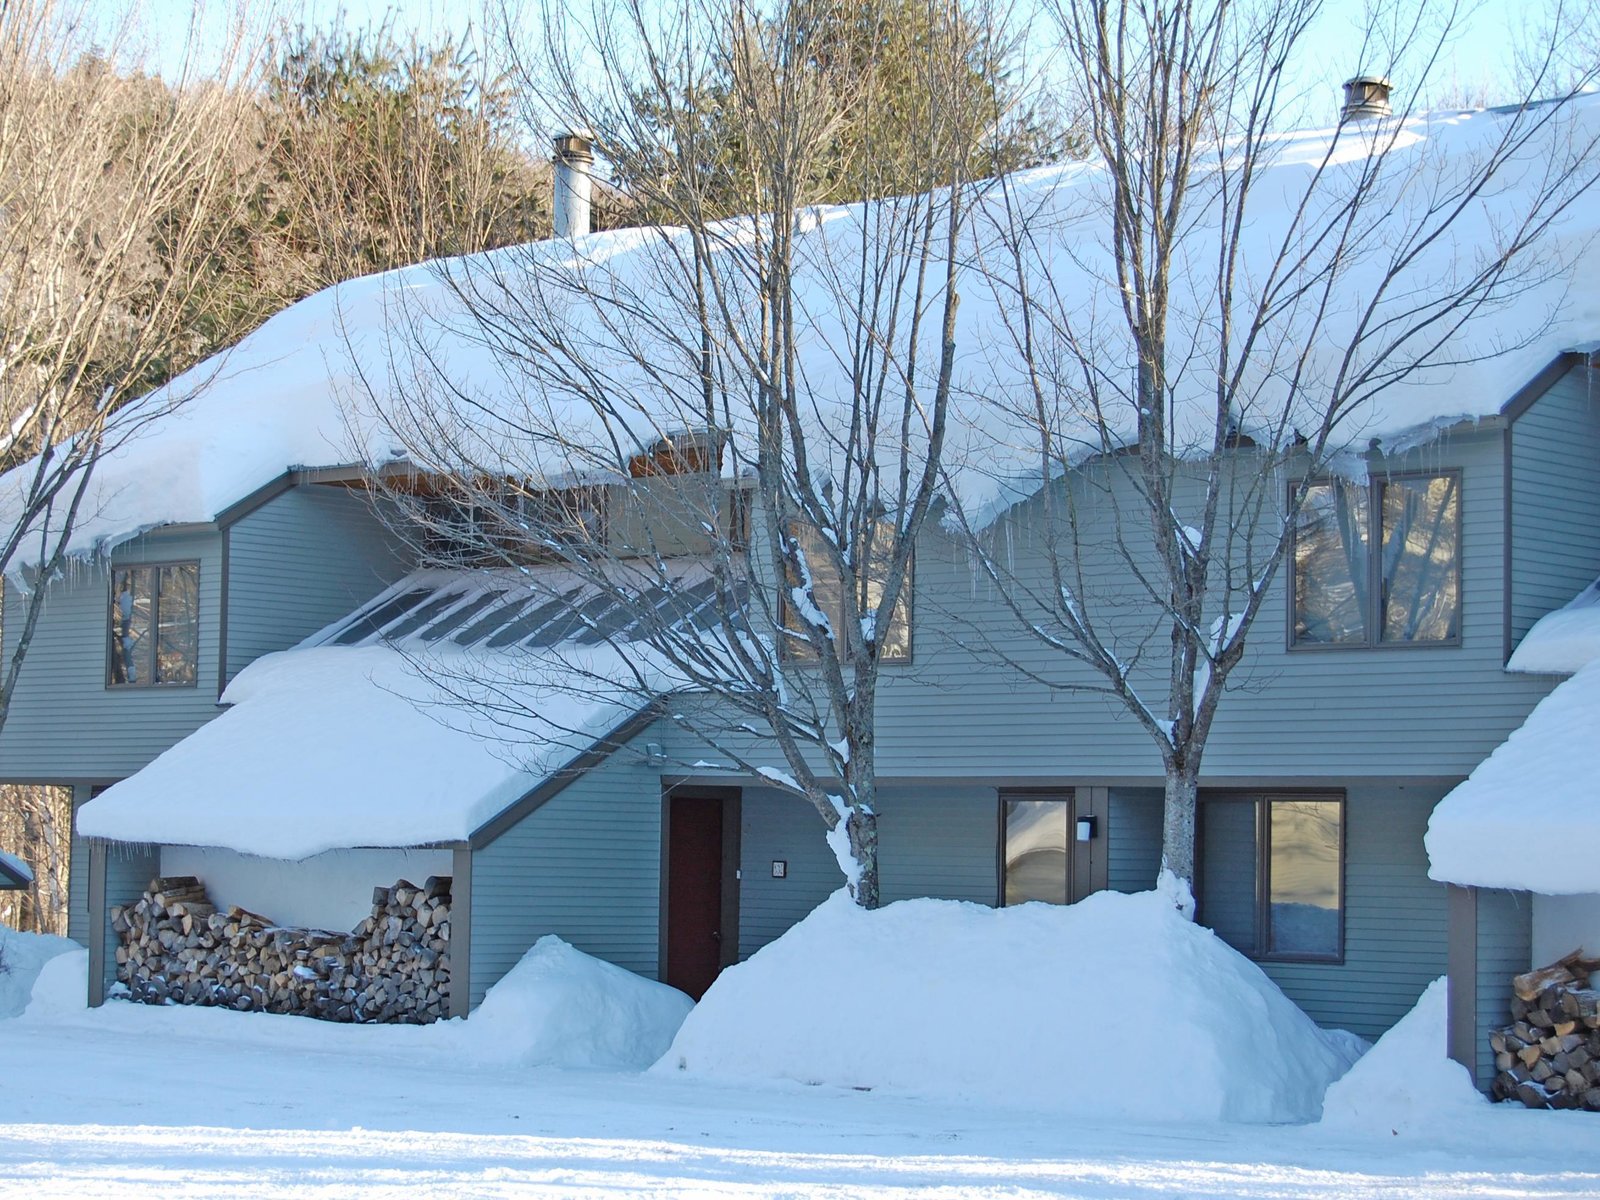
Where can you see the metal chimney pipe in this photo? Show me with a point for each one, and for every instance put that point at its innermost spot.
(1366, 96)
(574, 185)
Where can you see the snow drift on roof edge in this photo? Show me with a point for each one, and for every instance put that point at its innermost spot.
(328, 748)
(1528, 817)
(287, 394)
(1563, 641)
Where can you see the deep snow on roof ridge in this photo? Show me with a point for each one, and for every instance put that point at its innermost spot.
(293, 354)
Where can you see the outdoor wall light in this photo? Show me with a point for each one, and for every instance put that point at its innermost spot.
(1087, 827)
(654, 755)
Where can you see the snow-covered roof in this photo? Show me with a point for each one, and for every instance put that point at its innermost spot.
(286, 395)
(415, 720)
(1563, 641)
(1529, 816)
(14, 873)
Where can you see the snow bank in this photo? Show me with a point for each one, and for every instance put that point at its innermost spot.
(1528, 817)
(1406, 1082)
(1564, 641)
(16, 869)
(22, 957)
(560, 1007)
(382, 754)
(1115, 1007)
(62, 987)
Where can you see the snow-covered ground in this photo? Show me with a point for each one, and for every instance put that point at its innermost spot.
(195, 1102)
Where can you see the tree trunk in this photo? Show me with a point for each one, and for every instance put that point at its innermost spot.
(862, 829)
(1177, 832)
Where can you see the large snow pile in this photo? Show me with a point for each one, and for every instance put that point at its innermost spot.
(1528, 817)
(22, 957)
(560, 1007)
(1406, 1082)
(292, 393)
(1116, 1006)
(62, 987)
(1563, 641)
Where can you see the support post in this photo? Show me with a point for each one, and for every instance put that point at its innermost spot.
(1462, 981)
(98, 920)
(461, 933)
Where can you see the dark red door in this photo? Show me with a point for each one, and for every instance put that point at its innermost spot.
(694, 893)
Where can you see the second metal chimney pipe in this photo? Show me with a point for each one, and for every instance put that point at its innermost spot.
(1366, 96)
(574, 185)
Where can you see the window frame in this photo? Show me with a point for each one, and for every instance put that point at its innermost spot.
(1372, 618)
(155, 622)
(789, 645)
(1261, 827)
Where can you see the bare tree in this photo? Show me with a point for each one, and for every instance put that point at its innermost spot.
(765, 395)
(1197, 337)
(36, 825)
(114, 187)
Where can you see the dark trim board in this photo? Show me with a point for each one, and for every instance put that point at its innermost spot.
(1528, 394)
(461, 933)
(97, 923)
(569, 773)
(1462, 977)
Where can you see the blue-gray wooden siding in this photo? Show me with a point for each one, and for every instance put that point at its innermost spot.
(78, 882)
(1395, 916)
(65, 724)
(1394, 711)
(1505, 949)
(1555, 499)
(935, 841)
(1133, 839)
(585, 866)
(300, 562)
(129, 870)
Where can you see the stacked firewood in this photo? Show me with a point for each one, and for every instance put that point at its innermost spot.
(178, 948)
(1549, 1056)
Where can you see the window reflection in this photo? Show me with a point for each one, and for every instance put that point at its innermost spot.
(1036, 851)
(155, 622)
(1420, 530)
(1378, 562)
(1330, 559)
(1304, 878)
(827, 585)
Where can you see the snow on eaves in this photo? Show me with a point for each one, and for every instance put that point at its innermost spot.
(1528, 817)
(303, 389)
(1563, 641)
(13, 871)
(332, 747)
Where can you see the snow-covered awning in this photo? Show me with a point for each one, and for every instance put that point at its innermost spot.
(413, 721)
(1528, 817)
(297, 392)
(14, 873)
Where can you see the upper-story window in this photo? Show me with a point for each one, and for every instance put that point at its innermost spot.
(827, 585)
(155, 625)
(1379, 563)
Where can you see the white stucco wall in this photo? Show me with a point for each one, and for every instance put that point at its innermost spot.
(328, 891)
(1562, 924)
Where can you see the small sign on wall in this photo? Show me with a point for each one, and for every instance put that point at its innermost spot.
(780, 868)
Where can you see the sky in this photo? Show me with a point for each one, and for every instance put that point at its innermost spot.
(1475, 65)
